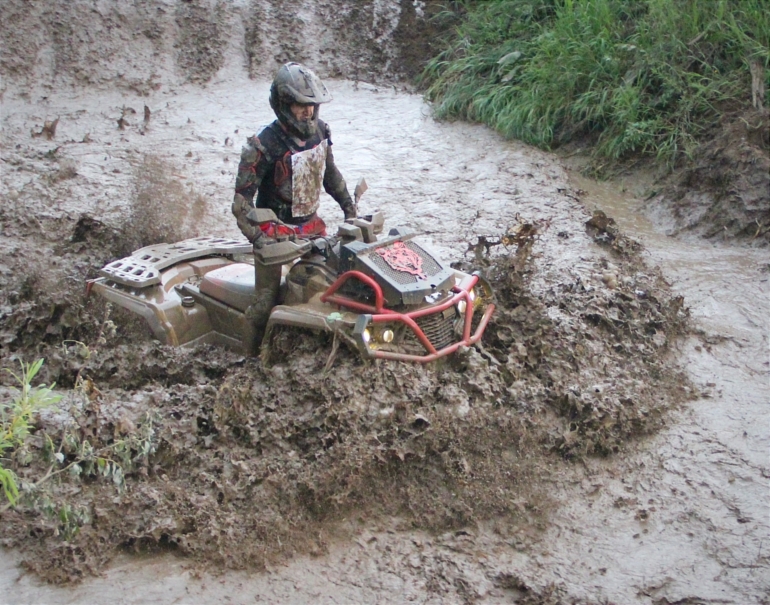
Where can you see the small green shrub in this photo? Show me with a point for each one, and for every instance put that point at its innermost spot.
(16, 419)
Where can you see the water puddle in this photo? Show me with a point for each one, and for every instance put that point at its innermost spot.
(698, 514)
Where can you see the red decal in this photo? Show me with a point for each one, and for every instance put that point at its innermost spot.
(400, 258)
(315, 226)
(282, 169)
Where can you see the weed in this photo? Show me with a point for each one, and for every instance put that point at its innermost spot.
(75, 455)
(16, 419)
(69, 519)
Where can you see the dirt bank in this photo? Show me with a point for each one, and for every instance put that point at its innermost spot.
(150, 45)
(723, 193)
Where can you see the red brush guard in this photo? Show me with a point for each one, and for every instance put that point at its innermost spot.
(379, 314)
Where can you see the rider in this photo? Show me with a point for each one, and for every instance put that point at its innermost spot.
(285, 165)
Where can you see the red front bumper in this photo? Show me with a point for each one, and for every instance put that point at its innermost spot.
(379, 314)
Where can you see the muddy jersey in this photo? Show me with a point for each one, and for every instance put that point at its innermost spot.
(287, 176)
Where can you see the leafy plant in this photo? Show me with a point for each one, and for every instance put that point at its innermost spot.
(75, 455)
(69, 519)
(645, 76)
(110, 461)
(16, 419)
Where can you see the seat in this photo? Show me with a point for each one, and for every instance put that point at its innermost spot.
(232, 285)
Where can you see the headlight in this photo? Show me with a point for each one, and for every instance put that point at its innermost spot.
(461, 306)
(366, 335)
(472, 295)
(388, 335)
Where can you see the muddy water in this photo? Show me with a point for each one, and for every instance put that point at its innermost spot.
(689, 515)
(683, 516)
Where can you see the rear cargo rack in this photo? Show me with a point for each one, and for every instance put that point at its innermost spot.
(143, 267)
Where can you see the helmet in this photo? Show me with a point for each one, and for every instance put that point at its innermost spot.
(295, 83)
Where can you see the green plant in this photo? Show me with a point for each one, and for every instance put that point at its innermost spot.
(110, 461)
(69, 519)
(636, 76)
(16, 419)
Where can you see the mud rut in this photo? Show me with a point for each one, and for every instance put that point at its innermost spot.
(555, 468)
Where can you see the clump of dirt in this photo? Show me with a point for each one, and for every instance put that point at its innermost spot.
(606, 232)
(42, 296)
(211, 446)
(598, 355)
(725, 190)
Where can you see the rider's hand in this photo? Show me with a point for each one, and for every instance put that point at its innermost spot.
(259, 240)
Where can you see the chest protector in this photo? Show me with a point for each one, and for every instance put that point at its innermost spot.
(307, 172)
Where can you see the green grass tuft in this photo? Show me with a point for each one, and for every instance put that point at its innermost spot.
(17, 417)
(639, 76)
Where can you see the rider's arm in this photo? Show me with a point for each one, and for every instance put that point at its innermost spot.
(334, 184)
(253, 167)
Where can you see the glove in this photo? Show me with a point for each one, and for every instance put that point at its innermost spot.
(347, 204)
(241, 209)
(259, 240)
(350, 212)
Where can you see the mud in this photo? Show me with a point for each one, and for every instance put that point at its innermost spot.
(724, 192)
(548, 465)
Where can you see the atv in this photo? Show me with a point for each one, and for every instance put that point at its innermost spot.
(388, 297)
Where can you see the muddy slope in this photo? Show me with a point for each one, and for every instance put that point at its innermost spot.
(138, 45)
(724, 192)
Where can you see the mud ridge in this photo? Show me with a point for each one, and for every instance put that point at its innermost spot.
(213, 445)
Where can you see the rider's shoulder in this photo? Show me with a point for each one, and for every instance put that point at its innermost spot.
(324, 130)
(268, 141)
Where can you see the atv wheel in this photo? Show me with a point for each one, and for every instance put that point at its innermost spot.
(290, 342)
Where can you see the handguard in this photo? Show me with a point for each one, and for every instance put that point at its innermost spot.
(280, 252)
(276, 252)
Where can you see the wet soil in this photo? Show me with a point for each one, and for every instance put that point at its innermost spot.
(551, 464)
(723, 193)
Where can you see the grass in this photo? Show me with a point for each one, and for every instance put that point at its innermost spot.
(16, 420)
(75, 455)
(636, 76)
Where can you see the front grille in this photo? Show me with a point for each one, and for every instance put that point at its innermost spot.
(438, 329)
(429, 265)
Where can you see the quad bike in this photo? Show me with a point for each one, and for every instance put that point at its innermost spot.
(388, 297)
